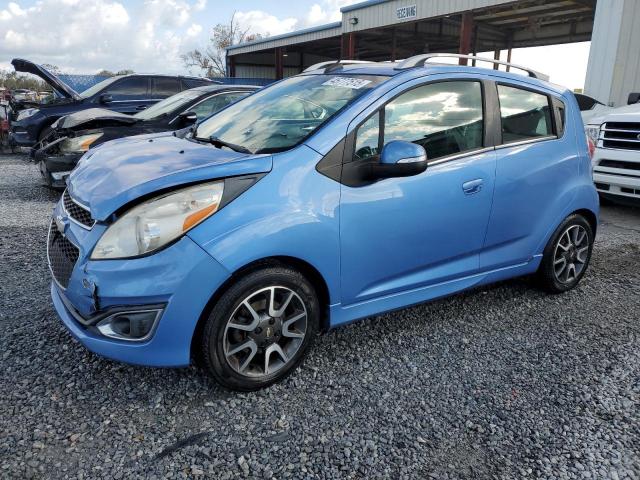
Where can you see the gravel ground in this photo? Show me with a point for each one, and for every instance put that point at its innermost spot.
(503, 382)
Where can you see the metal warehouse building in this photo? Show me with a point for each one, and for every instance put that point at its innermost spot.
(381, 30)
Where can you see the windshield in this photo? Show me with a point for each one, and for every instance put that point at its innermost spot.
(283, 115)
(91, 91)
(168, 105)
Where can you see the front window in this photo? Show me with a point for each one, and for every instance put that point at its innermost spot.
(283, 115)
(167, 105)
(91, 91)
(445, 118)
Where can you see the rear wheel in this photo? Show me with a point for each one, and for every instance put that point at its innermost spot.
(567, 255)
(259, 330)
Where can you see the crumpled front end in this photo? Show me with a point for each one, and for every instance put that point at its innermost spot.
(148, 315)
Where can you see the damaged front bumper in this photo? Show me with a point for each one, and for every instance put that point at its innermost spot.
(55, 166)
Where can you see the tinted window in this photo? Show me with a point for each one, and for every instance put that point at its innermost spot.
(445, 118)
(163, 87)
(128, 88)
(524, 114)
(194, 82)
(211, 105)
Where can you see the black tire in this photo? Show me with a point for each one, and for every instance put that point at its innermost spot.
(215, 334)
(548, 277)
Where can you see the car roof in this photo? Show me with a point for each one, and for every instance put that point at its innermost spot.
(390, 69)
(191, 77)
(217, 86)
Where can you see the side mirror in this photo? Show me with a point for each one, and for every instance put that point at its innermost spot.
(188, 118)
(106, 98)
(633, 98)
(399, 159)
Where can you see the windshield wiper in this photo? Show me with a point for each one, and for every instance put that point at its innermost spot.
(216, 142)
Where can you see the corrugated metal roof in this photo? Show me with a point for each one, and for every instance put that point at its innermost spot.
(280, 40)
(358, 5)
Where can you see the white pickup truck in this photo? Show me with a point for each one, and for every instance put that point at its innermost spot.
(616, 162)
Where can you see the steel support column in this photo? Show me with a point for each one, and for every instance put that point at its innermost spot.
(279, 63)
(348, 46)
(466, 34)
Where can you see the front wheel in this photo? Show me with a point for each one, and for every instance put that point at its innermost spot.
(567, 255)
(259, 330)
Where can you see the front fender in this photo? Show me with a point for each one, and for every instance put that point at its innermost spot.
(292, 211)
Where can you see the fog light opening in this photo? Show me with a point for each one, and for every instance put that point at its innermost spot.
(132, 326)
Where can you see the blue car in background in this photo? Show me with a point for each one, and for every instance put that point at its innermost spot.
(344, 192)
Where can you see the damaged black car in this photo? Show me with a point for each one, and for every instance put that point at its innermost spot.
(126, 94)
(73, 135)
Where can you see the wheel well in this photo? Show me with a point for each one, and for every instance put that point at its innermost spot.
(305, 268)
(590, 217)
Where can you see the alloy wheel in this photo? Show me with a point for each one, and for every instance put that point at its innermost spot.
(571, 254)
(265, 331)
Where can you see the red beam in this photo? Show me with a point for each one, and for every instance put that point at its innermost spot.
(279, 64)
(348, 44)
(466, 34)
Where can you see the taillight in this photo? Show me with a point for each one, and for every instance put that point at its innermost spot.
(592, 146)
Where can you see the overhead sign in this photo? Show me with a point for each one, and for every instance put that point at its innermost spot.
(404, 13)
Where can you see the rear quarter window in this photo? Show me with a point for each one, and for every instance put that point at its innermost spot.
(524, 114)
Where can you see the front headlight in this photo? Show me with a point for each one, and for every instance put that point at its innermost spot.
(26, 113)
(79, 144)
(593, 132)
(152, 224)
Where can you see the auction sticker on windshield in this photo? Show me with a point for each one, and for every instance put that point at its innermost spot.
(347, 82)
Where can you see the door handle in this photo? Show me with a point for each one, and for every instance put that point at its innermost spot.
(472, 186)
(141, 107)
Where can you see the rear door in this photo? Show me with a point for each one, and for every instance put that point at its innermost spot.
(537, 167)
(163, 87)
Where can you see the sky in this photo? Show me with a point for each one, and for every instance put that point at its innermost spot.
(85, 36)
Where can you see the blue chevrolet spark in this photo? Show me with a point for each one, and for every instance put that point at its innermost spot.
(344, 192)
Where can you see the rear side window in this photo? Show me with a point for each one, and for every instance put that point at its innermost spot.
(524, 115)
(188, 83)
(211, 105)
(129, 88)
(163, 87)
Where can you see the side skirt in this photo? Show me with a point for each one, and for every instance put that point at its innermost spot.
(341, 315)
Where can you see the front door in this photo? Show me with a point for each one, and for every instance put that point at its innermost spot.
(402, 234)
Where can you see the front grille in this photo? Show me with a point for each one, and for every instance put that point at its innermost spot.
(621, 135)
(621, 164)
(62, 254)
(80, 214)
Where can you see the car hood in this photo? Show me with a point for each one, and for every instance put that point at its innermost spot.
(121, 171)
(94, 116)
(628, 113)
(58, 85)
